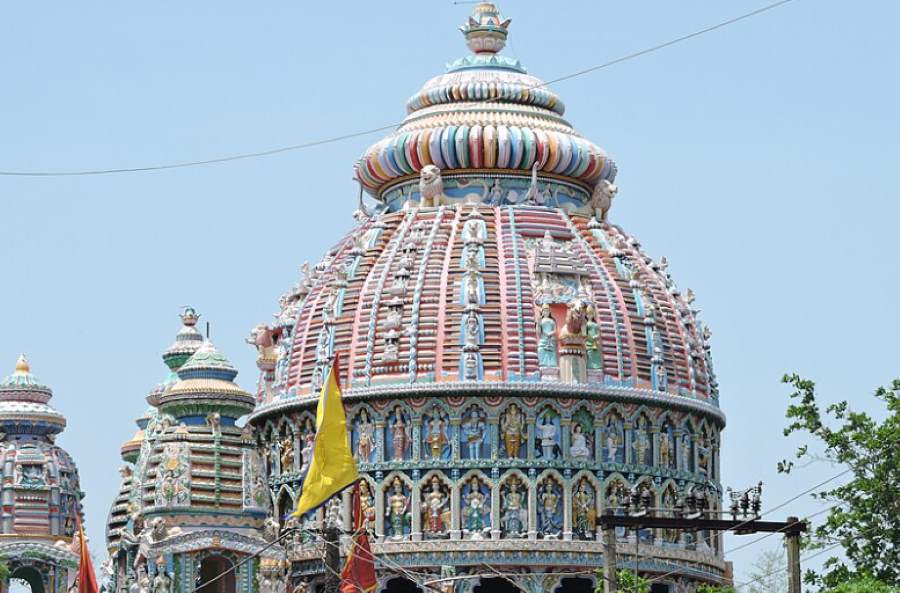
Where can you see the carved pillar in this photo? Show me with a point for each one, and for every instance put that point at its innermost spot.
(416, 439)
(529, 432)
(598, 442)
(567, 509)
(454, 436)
(532, 510)
(379, 441)
(416, 511)
(695, 441)
(629, 436)
(654, 445)
(678, 452)
(455, 532)
(379, 513)
(565, 441)
(347, 506)
(495, 510)
(494, 436)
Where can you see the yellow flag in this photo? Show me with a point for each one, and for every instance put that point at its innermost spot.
(332, 467)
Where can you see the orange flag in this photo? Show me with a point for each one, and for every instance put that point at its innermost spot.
(358, 575)
(87, 582)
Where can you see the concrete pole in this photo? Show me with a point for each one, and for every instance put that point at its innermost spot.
(610, 579)
(793, 558)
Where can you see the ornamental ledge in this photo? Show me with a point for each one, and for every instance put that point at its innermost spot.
(484, 388)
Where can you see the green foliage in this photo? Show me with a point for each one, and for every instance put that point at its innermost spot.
(865, 522)
(4, 571)
(628, 582)
(705, 588)
(863, 584)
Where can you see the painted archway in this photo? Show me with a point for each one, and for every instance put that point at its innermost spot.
(30, 575)
(210, 568)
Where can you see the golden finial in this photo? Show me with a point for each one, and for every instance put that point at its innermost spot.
(22, 366)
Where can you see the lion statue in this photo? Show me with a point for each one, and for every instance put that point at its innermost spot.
(431, 187)
(576, 316)
(602, 197)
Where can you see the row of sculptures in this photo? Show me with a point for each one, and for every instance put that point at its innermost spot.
(527, 508)
(433, 436)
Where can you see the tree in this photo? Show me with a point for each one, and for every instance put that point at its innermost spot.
(769, 573)
(863, 585)
(706, 588)
(628, 582)
(865, 517)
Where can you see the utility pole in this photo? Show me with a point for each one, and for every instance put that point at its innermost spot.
(610, 579)
(792, 539)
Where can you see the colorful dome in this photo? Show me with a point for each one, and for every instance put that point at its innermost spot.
(187, 341)
(487, 125)
(23, 404)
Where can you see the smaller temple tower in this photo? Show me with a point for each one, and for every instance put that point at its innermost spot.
(195, 502)
(40, 492)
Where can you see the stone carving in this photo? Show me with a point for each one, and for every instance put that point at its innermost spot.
(434, 438)
(615, 441)
(476, 512)
(584, 510)
(398, 434)
(512, 426)
(471, 289)
(514, 515)
(398, 516)
(173, 476)
(579, 449)
(547, 345)
(473, 434)
(162, 582)
(602, 197)
(472, 332)
(431, 187)
(287, 453)
(550, 509)
(548, 435)
(641, 446)
(667, 446)
(435, 511)
(365, 437)
(592, 339)
(367, 506)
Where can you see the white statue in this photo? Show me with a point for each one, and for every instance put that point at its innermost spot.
(601, 198)
(431, 187)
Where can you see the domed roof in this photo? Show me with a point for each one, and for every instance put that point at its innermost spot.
(484, 121)
(187, 341)
(23, 404)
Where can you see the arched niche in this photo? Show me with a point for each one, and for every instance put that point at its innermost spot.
(213, 567)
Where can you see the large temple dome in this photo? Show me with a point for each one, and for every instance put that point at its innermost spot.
(512, 362)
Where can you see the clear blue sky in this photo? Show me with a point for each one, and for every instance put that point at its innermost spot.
(760, 159)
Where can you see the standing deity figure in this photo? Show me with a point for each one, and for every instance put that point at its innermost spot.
(585, 511)
(686, 453)
(612, 442)
(366, 506)
(473, 433)
(472, 292)
(398, 505)
(592, 340)
(579, 448)
(513, 520)
(548, 432)
(473, 331)
(665, 448)
(398, 434)
(435, 437)
(162, 583)
(641, 443)
(703, 455)
(550, 520)
(435, 510)
(496, 195)
(474, 511)
(513, 425)
(547, 349)
(365, 444)
(287, 454)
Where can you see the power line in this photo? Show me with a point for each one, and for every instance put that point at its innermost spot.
(333, 139)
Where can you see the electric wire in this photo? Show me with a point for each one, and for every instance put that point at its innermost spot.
(348, 136)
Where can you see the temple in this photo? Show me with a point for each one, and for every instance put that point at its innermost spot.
(514, 364)
(41, 495)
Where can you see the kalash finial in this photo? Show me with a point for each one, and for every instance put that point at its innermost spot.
(22, 366)
(189, 316)
(486, 30)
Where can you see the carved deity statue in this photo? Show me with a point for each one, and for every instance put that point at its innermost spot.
(435, 436)
(592, 339)
(473, 331)
(550, 516)
(641, 445)
(162, 583)
(513, 520)
(547, 344)
(366, 506)
(287, 454)
(579, 448)
(472, 292)
(435, 514)
(475, 509)
(585, 511)
(365, 431)
(398, 434)
(473, 434)
(665, 448)
(398, 510)
(548, 432)
(613, 440)
(513, 425)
